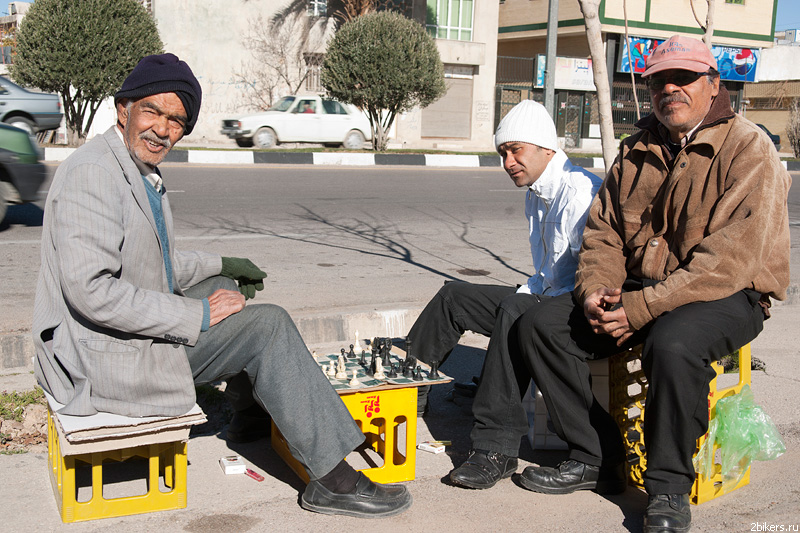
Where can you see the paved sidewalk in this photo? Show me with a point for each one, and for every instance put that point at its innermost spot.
(238, 503)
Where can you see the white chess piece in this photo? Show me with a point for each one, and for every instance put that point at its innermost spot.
(354, 382)
(331, 370)
(379, 371)
(357, 345)
(341, 369)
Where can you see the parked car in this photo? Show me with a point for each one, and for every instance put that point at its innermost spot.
(776, 139)
(300, 119)
(21, 171)
(28, 110)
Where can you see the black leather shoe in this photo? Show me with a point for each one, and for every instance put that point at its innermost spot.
(572, 475)
(482, 469)
(368, 500)
(246, 428)
(668, 513)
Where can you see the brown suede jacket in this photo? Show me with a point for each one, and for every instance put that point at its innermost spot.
(705, 224)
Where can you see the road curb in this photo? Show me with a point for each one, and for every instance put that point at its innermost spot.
(249, 157)
(333, 328)
(337, 327)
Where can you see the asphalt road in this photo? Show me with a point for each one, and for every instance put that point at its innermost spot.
(328, 237)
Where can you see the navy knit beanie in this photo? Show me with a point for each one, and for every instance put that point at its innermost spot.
(164, 73)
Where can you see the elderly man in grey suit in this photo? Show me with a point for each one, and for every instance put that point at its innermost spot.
(125, 323)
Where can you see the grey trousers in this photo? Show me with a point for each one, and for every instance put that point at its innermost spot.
(263, 342)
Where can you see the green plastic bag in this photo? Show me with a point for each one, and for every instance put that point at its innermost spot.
(744, 433)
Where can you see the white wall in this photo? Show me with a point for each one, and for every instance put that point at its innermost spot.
(779, 63)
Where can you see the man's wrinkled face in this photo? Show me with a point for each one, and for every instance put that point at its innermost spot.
(681, 99)
(152, 125)
(524, 162)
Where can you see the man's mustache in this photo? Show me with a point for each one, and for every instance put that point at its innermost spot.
(155, 139)
(671, 99)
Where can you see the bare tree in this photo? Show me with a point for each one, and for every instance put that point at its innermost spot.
(285, 50)
(590, 10)
(708, 27)
(793, 126)
(630, 60)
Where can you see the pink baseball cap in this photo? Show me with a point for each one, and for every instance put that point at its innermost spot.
(682, 53)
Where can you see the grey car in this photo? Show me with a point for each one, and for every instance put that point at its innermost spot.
(28, 110)
(21, 171)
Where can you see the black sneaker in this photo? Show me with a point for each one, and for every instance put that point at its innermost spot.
(483, 469)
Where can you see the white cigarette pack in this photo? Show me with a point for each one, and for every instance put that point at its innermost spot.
(233, 464)
(431, 447)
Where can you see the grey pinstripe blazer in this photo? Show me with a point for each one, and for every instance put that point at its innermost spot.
(109, 336)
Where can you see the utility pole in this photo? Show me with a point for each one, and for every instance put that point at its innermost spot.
(550, 60)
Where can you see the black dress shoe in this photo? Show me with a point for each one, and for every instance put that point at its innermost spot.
(368, 500)
(572, 475)
(482, 469)
(246, 428)
(668, 513)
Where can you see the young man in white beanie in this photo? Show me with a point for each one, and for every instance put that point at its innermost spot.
(559, 195)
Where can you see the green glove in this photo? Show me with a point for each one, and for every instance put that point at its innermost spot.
(249, 277)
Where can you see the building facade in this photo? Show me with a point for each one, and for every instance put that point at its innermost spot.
(213, 37)
(741, 31)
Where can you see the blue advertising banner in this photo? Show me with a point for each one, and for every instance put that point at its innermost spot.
(735, 64)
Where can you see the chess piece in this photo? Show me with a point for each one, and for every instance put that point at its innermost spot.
(352, 354)
(331, 370)
(341, 368)
(354, 382)
(379, 371)
(418, 374)
(357, 342)
(392, 371)
(344, 355)
(387, 351)
(363, 360)
(408, 371)
(434, 373)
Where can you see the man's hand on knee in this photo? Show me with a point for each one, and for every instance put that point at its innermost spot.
(224, 303)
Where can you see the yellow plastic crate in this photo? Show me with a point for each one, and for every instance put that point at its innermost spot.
(628, 392)
(167, 459)
(380, 415)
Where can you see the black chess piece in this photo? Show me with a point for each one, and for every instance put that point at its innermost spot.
(363, 360)
(343, 354)
(392, 371)
(434, 373)
(418, 374)
(352, 353)
(408, 370)
(387, 351)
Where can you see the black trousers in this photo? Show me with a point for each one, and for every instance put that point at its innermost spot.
(490, 310)
(555, 342)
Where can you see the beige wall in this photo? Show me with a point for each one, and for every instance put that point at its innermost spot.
(481, 54)
(775, 120)
(754, 17)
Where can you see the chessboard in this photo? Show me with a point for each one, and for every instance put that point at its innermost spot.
(366, 382)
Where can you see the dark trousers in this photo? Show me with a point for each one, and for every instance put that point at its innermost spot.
(262, 354)
(490, 310)
(556, 342)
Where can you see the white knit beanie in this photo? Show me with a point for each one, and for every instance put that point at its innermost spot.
(527, 122)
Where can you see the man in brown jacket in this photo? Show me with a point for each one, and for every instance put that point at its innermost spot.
(685, 244)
